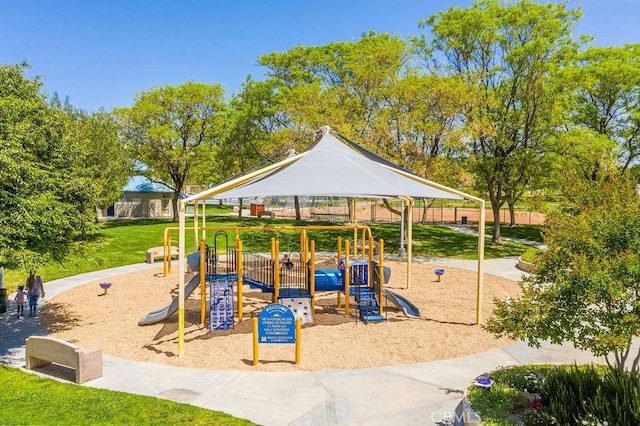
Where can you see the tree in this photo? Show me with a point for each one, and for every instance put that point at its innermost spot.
(257, 133)
(369, 91)
(585, 153)
(97, 165)
(508, 53)
(606, 96)
(344, 84)
(256, 128)
(35, 223)
(172, 130)
(421, 122)
(585, 288)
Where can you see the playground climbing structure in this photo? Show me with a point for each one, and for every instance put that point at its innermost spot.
(221, 282)
(364, 291)
(223, 268)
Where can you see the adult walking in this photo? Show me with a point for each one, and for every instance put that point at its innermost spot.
(35, 290)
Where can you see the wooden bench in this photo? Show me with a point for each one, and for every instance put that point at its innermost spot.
(265, 213)
(44, 350)
(158, 252)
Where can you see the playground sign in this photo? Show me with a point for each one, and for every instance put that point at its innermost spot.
(276, 324)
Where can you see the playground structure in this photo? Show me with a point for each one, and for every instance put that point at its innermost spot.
(222, 269)
(329, 166)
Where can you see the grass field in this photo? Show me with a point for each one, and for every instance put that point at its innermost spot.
(125, 242)
(29, 399)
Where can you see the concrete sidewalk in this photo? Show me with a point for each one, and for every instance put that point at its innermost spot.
(426, 393)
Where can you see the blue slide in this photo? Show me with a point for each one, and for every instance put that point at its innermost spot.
(328, 280)
(331, 279)
(171, 308)
(403, 303)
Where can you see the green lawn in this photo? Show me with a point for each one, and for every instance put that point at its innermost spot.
(523, 232)
(125, 242)
(29, 399)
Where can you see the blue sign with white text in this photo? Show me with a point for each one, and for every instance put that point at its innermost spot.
(276, 324)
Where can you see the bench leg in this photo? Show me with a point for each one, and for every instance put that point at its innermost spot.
(89, 367)
(33, 362)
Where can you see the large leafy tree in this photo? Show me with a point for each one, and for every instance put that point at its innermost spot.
(35, 221)
(257, 132)
(256, 127)
(343, 84)
(584, 152)
(97, 164)
(421, 122)
(371, 91)
(606, 98)
(172, 130)
(508, 54)
(585, 288)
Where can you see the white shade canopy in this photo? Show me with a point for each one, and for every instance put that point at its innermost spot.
(331, 168)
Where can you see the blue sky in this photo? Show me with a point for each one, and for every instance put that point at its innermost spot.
(101, 53)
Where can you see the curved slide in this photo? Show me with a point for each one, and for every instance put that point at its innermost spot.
(403, 303)
(171, 308)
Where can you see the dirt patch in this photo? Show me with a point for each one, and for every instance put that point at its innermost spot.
(88, 318)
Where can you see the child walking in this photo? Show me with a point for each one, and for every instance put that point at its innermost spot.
(35, 291)
(20, 300)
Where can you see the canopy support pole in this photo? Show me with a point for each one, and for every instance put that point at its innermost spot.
(401, 251)
(181, 257)
(409, 239)
(196, 244)
(480, 264)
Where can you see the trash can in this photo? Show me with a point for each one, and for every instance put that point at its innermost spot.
(464, 220)
(254, 209)
(4, 300)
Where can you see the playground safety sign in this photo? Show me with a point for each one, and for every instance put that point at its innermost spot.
(276, 324)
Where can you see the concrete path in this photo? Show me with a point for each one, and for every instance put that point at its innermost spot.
(426, 393)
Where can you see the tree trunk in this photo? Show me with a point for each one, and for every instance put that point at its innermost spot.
(240, 209)
(296, 205)
(388, 207)
(495, 207)
(83, 226)
(423, 220)
(512, 213)
(174, 204)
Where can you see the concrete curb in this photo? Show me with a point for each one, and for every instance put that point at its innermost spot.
(469, 416)
(525, 266)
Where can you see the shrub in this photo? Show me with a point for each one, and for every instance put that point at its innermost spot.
(538, 416)
(618, 398)
(512, 396)
(536, 395)
(590, 395)
(525, 378)
(496, 406)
